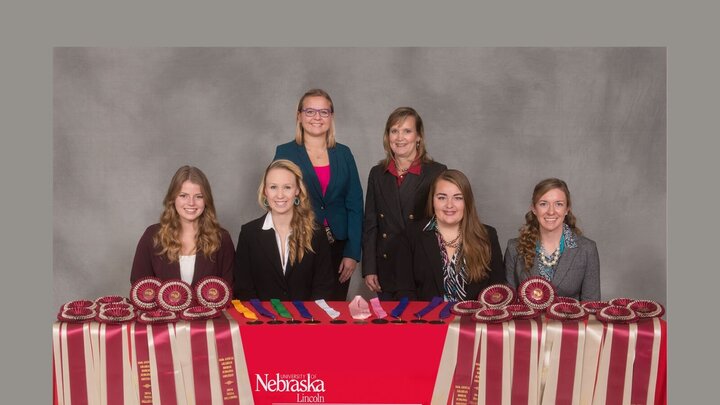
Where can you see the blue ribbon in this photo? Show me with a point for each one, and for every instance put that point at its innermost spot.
(302, 309)
(400, 307)
(261, 309)
(434, 303)
(445, 312)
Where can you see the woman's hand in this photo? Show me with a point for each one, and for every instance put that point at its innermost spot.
(371, 281)
(347, 267)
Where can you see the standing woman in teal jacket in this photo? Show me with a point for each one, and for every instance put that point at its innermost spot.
(332, 180)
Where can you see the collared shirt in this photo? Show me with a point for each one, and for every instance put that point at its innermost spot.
(454, 274)
(415, 168)
(268, 224)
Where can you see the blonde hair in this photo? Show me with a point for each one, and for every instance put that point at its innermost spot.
(530, 232)
(207, 239)
(299, 132)
(396, 117)
(302, 224)
(476, 250)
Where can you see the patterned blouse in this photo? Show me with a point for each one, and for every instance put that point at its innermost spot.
(454, 276)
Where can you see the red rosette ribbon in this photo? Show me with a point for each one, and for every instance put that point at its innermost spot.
(566, 311)
(567, 300)
(76, 315)
(212, 292)
(496, 295)
(593, 307)
(157, 316)
(492, 315)
(199, 312)
(647, 309)
(537, 293)
(616, 314)
(522, 311)
(115, 315)
(621, 302)
(468, 307)
(79, 304)
(144, 292)
(174, 295)
(110, 299)
(117, 305)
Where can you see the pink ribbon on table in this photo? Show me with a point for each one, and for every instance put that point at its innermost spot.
(377, 308)
(359, 308)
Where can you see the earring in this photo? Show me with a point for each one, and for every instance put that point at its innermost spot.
(296, 201)
(417, 145)
(265, 202)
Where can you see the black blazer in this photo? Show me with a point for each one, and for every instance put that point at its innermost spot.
(420, 266)
(388, 211)
(258, 270)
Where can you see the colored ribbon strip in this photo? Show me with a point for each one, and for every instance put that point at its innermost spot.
(160, 343)
(141, 364)
(280, 308)
(464, 365)
(245, 311)
(261, 309)
(359, 308)
(445, 312)
(302, 309)
(377, 308)
(328, 310)
(432, 305)
(397, 312)
(226, 361)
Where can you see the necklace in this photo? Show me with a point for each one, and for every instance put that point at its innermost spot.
(451, 244)
(400, 170)
(549, 260)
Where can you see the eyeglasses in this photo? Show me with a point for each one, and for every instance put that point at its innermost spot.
(311, 112)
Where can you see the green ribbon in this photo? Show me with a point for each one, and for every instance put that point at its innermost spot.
(280, 308)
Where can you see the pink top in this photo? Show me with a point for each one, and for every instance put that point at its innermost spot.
(323, 174)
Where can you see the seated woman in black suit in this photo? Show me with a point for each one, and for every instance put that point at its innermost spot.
(283, 254)
(454, 256)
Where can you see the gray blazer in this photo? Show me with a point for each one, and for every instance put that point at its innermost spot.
(577, 274)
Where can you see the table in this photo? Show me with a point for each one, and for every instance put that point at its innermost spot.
(229, 361)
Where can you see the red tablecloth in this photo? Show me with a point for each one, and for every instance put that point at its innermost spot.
(350, 363)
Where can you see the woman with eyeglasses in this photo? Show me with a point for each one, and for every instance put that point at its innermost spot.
(333, 183)
(396, 196)
(188, 243)
(454, 255)
(550, 245)
(283, 254)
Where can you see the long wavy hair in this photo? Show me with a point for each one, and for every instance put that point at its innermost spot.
(302, 223)
(476, 250)
(207, 239)
(530, 232)
(396, 117)
(300, 133)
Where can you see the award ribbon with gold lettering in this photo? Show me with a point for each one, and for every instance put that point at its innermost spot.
(226, 361)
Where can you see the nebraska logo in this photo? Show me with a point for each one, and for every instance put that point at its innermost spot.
(297, 383)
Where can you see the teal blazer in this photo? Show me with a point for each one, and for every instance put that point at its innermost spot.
(342, 204)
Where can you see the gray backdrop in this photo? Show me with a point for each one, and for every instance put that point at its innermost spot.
(126, 119)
